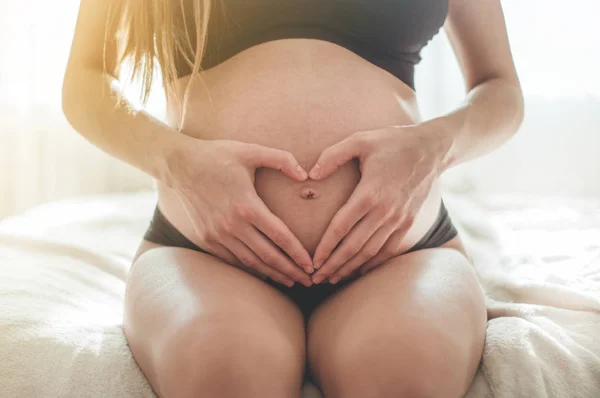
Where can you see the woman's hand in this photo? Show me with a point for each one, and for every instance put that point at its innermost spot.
(398, 165)
(215, 183)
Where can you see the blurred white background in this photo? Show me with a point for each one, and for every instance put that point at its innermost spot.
(556, 48)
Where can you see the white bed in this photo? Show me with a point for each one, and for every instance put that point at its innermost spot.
(63, 265)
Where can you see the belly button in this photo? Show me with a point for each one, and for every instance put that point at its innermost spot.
(309, 193)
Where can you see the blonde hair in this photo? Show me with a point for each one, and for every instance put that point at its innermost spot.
(153, 34)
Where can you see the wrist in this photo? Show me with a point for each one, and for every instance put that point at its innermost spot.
(440, 140)
(175, 157)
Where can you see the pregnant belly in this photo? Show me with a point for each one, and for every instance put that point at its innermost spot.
(299, 95)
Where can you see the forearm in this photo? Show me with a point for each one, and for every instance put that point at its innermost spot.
(94, 107)
(490, 115)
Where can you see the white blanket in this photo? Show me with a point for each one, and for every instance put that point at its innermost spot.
(63, 266)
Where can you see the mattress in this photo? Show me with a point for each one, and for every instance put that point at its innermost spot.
(62, 280)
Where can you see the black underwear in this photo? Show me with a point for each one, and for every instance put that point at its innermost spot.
(162, 232)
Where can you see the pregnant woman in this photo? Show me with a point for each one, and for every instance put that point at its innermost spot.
(300, 230)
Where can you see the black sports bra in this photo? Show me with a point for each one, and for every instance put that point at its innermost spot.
(388, 33)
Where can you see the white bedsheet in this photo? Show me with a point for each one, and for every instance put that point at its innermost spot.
(63, 265)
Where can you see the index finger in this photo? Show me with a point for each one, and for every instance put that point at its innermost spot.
(280, 234)
(277, 159)
(353, 211)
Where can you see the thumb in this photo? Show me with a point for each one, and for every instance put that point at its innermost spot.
(335, 156)
(262, 156)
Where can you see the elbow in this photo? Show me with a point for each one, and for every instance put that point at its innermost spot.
(505, 94)
(510, 97)
(77, 98)
(69, 98)
(519, 106)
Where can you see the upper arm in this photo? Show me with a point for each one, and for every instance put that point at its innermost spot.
(477, 32)
(95, 40)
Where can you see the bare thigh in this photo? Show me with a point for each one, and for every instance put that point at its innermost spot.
(413, 327)
(197, 325)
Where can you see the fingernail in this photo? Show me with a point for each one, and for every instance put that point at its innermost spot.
(309, 269)
(318, 264)
(334, 280)
(308, 284)
(314, 173)
(318, 280)
(289, 283)
(302, 172)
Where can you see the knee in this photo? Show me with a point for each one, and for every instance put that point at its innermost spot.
(388, 365)
(422, 339)
(242, 359)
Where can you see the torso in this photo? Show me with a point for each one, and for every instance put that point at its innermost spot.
(299, 95)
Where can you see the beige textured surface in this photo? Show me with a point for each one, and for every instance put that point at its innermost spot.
(62, 270)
